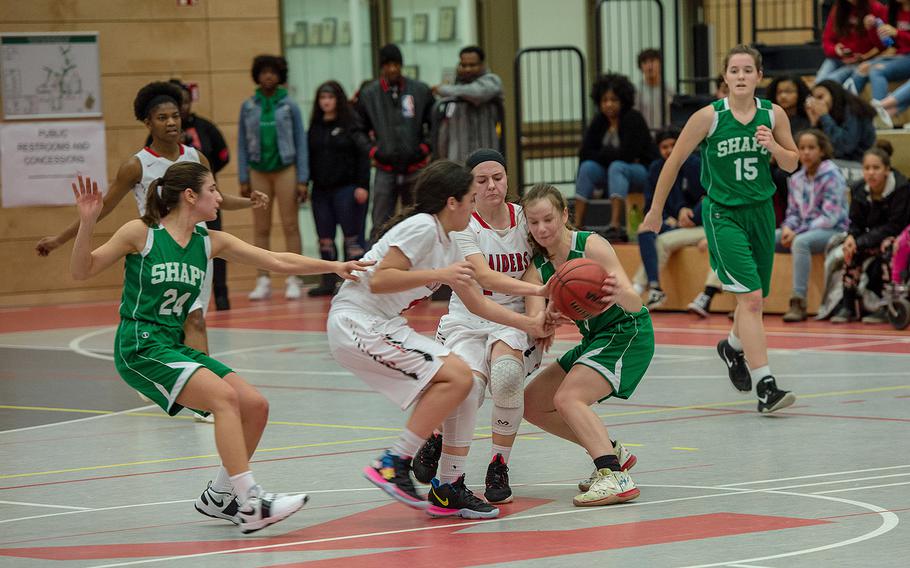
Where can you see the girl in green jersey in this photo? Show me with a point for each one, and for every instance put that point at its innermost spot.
(166, 258)
(738, 135)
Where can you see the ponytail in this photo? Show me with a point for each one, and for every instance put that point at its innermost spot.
(164, 194)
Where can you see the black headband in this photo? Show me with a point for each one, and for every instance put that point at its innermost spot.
(484, 155)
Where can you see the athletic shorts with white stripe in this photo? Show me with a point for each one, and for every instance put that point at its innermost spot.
(621, 353)
(153, 360)
(741, 244)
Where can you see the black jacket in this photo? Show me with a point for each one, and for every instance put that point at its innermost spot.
(399, 117)
(635, 143)
(338, 155)
(871, 221)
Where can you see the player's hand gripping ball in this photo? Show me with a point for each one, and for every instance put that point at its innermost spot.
(576, 289)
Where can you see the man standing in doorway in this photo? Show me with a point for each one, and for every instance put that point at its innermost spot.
(471, 116)
(652, 90)
(396, 111)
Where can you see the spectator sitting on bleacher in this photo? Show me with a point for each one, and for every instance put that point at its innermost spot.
(844, 117)
(681, 219)
(849, 39)
(790, 93)
(892, 65)
(615, 152)
(879, 208)
(471, 109)
(652, 90)
(817, 211)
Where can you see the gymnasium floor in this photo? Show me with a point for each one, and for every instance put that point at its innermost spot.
(91, 476)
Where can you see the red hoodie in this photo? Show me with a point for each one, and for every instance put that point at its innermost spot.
(902, 23)
(858, 41)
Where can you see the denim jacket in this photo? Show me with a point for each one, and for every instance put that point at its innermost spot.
(292, 145)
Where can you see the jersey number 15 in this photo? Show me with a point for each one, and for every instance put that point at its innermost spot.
(746, 169)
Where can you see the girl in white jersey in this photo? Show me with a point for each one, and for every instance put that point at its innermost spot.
(157, 105)
(368, 336)
(496, 244)
(166, 252)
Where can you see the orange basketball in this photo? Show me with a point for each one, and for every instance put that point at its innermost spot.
(576, 288)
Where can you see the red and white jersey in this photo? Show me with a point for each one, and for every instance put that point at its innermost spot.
(154, 166)
(427, 246)
(505, 250)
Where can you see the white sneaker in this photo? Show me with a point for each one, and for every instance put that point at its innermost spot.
(656, 298)
(627, 460)
(882, 114)
(263, 509)
(218, 505)
(210, 419)
(700, 305)
(292, 288)
(263, 289)
(609, 488)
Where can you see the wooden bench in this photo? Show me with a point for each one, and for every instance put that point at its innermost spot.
(684, 277)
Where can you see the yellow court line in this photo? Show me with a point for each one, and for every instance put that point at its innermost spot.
(51, 409)
(186, 458)
(683, 448)
(748, 402)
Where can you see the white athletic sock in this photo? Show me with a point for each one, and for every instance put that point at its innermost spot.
(243, 482)
(760, 373)
(735, 342)
(504, 450)
(450, 467)
(222, 482)
(407, 445)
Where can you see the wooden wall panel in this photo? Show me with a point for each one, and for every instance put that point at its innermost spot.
(212, 44)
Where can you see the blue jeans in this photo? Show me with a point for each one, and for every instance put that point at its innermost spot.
(617, 180)
(802, 248)
(834, 69)
(902, 95)
(647, 247)
(881, 71)
(333, 207)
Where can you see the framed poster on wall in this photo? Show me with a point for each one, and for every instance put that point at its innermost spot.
(50, 75)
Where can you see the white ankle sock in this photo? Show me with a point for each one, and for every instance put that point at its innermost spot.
(735, 342)
(504, 450)
(407, 445)
(760, 373)
(243, 482)
(451, 467)
(222, 482)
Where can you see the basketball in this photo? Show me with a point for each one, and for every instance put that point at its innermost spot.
(576, 288)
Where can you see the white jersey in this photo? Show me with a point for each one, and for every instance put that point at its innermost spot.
(427, 246)
(505, 250)
(154, 166)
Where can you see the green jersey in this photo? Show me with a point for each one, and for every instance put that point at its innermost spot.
(735, 168)
(161, 283)
(614, 313)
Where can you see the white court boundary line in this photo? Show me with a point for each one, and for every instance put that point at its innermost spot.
(890, 520)
(45, 505)
(75, 420)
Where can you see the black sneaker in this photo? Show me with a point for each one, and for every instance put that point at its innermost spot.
(771, 398)
(392, 474)
(456, 500)
(737, 369)
(222, 302)
(497, 482)
(426, 462)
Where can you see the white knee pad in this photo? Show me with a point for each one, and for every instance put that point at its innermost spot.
(507, 376)
(458, 428)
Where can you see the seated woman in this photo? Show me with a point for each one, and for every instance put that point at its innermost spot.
(681, 219)
(845, 118)
(879, 208)
(817, 211)
(615, 152)
(850, 38)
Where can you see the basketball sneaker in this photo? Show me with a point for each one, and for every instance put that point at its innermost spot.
(456, 500)
(700, 305)
(627, 460)
(737, 369)
(609, 488)
(426, 462)
(263, 509)
(218, 505)
(263, 289)
(392, 474)
(497, 481)
(771, 398)
(204, 418)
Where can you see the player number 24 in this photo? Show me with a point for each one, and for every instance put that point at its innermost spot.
(173, 305)
(746, 169)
